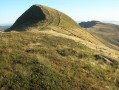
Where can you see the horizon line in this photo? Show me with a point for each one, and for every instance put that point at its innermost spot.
(78, 21)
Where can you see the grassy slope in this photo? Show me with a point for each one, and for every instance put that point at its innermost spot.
(35, 60)
(41, 61)
(107, 33)
(51, 19)
(45, 18)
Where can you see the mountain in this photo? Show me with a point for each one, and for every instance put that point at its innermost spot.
(2, 28)
(46, 50)
(88, 24)
(39, 16)
(106, 31)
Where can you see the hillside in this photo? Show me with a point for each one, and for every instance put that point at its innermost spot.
(46, 50)
(41, 61)
(42, 18)
(108, 32)
(39, 16)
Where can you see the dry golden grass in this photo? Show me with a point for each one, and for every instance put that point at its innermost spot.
(54, 53)
(50, 60)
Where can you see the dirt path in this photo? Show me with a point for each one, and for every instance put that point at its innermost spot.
(59, 18)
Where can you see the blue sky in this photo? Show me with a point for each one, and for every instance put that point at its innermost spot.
(79, 10)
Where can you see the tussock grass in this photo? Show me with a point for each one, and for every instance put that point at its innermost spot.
(43, 61)
(40, 61)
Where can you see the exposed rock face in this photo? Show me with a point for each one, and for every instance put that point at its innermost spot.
(103, 58)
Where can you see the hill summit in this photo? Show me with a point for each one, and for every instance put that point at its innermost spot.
(88, 24)
(39, 16)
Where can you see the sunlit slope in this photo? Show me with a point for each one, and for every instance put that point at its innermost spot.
(46, 50)
(34, 61)
(108, 32)
(40, 17)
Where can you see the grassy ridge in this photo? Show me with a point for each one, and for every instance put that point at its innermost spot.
(108, 32)
(34, 60)
(39, 16)
(40, 61)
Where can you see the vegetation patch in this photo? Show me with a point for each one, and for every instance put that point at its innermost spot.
(34, 61)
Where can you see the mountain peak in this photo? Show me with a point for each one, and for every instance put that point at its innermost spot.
(42, 16)
(88, 24)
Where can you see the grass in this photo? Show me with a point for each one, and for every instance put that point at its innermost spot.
(44, 61)
(38, 61)
(45, 18)
(106, 33)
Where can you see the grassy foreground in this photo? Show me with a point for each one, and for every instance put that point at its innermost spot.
(35, 61)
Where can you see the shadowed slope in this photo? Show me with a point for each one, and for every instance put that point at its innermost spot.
(32, 16)
(88, 24)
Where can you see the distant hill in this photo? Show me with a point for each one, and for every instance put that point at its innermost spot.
(88, 24)
(2, 28)
(106, 31)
